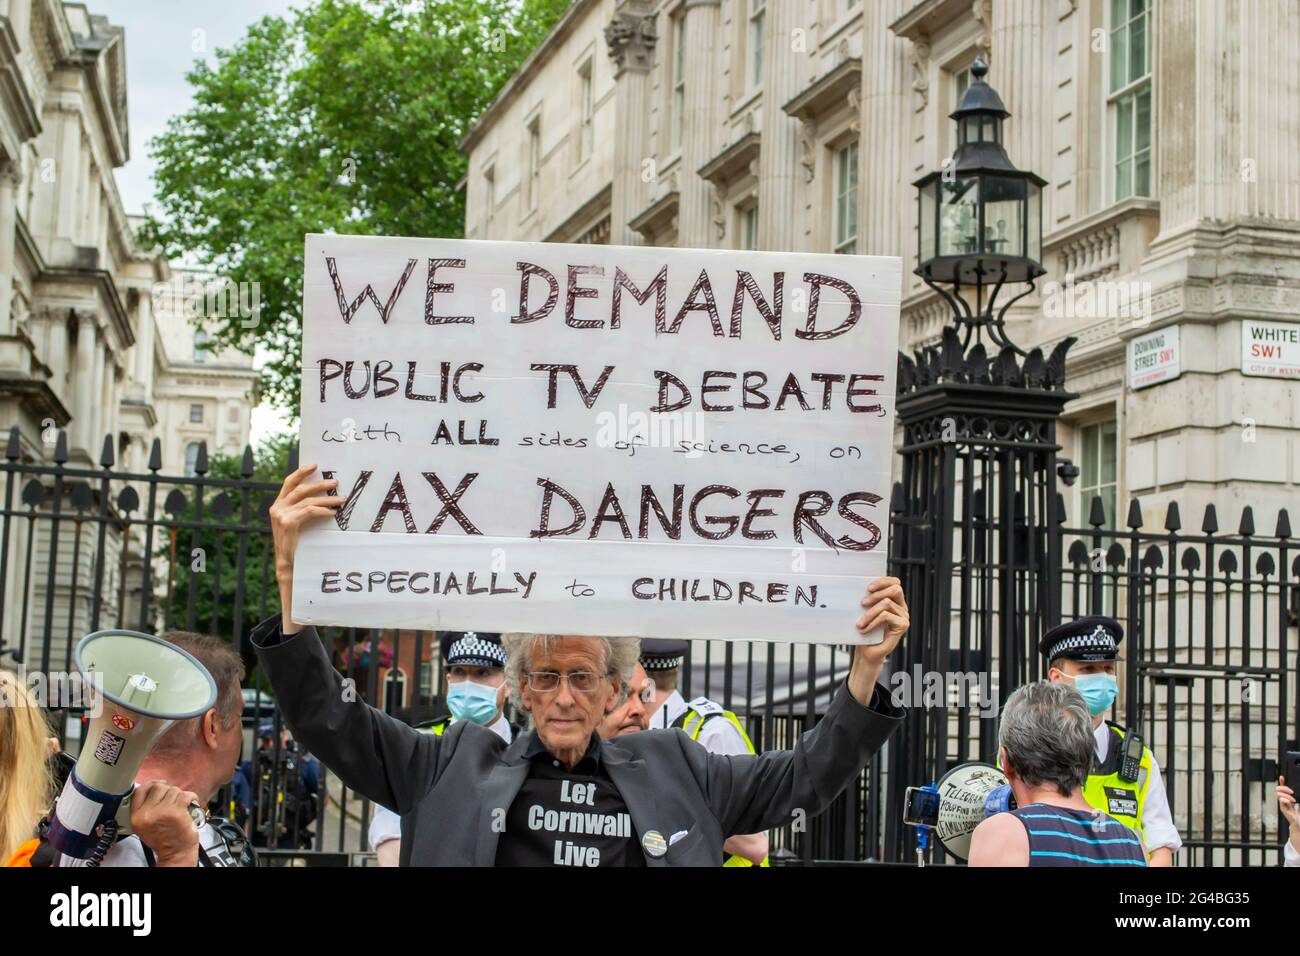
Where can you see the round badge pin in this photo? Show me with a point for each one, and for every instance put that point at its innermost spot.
(653, 842)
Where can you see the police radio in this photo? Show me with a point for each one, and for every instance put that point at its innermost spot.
(1131, 764)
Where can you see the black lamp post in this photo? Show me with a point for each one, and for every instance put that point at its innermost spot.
(976, 517)
(980, 220)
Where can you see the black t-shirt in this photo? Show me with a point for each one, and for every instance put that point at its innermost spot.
(568, 817)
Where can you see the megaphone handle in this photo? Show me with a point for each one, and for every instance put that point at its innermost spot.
(123, 816)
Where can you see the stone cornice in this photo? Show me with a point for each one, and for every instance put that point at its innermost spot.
(581, 219)
(732, 162)
(928, 18)
(25, 247)
(33, 392)
(102, 280)
(655, 218)
(828, 92)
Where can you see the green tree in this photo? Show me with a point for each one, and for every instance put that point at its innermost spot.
(210, 555)
(342, 117)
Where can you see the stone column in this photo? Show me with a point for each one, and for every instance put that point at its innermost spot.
(631, 37)
(887, 94)
(695, 215)
(83, 385)
(68, 174)
(780, 168)
(1019, 71)
(94, 432)
(55, 322)
(144, 344)
(10, 177)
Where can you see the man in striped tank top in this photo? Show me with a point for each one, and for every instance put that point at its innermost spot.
(1046, 745)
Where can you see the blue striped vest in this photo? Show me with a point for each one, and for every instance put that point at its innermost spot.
(1062, 836)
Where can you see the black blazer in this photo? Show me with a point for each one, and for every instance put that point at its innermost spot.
(450, 790)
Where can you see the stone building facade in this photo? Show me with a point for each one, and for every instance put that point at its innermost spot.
(92, 343)
(1167, 132)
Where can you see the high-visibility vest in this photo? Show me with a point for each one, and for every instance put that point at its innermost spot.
(692, 720)
(1107, 789)
(439, 726)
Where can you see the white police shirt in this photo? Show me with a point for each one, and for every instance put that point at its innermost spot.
(386, 825)
(1158, 828)
(129, 851)
(717, 736)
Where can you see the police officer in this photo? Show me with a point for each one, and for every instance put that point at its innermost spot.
(704, 721)
(1125, 781)
(476, 691)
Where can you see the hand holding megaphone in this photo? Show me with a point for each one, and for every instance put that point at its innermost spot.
(162, 817)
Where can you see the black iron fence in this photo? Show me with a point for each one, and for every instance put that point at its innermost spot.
(1209, 680)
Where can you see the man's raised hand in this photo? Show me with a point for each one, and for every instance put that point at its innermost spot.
(300, 501)
(884, 607)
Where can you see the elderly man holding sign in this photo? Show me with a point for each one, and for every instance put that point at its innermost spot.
(589, 444)
(559, 795)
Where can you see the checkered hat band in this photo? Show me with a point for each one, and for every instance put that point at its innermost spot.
(659, 662)
(475, 650)
(1082, 643)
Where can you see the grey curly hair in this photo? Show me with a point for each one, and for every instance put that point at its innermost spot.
(1046, 731)
(619, 654)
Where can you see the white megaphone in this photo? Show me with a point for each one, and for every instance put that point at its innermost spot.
(958, 803)
(140, 686)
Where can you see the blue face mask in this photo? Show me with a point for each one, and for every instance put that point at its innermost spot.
(1099, 691)
(476, 703)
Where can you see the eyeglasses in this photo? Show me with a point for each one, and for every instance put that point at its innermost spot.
(547, 682)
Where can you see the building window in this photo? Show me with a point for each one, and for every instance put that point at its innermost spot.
(846, 198)
(585, 110)
(196, 413)
(232, 415)
(191, 459)
(757, 18)
(490, 190)
(201, 346)
(394, 690)
(534, 162)
(679, 79)
(1099, 464)
(749, 227)
(1130, 94)
(426, 681)
(960, 84)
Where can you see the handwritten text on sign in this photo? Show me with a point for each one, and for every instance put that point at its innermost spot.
(590, 439)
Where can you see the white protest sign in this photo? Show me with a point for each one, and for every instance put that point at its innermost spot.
(1154, 358)
(596, 440)
(1270, 349)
